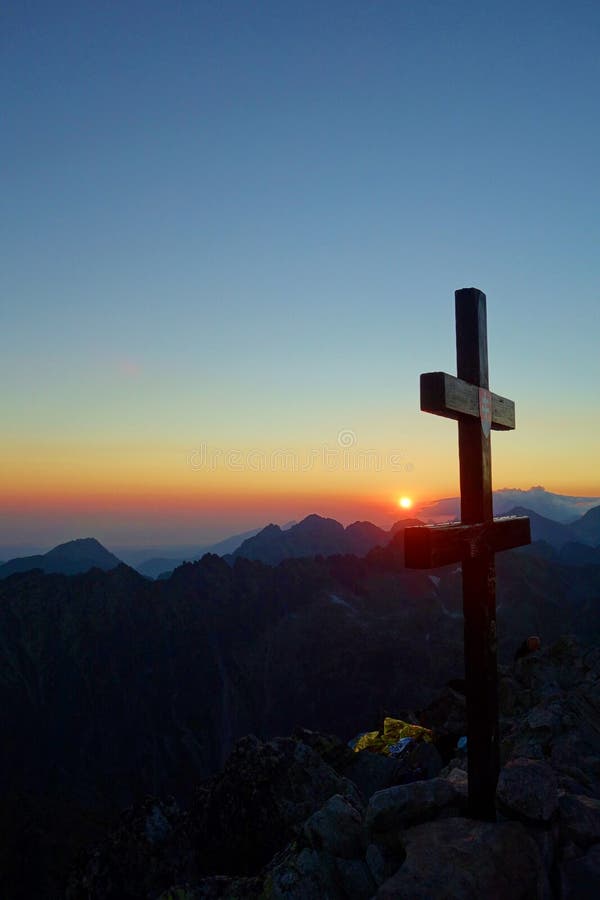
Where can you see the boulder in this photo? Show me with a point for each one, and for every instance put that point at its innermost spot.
(547, 840)
(327, 859)
(330, 748)
(407, 804)
(356, 879)
(528, 789)
(460, 859)
(507, 695)
(547, 718)
(574, 781)
(566, 752)
(580, 819)
(371, 772)
(383, 862)
(419, 761)
(459, 780)
(580, 877)
(447, 714)
(337, 828)
(303, 874)
(555, 669)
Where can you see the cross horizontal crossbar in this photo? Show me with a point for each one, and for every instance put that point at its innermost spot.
(451, 397)
(430, 546)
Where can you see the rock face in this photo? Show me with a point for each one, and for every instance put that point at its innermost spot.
(283, 820)
(580, 876)
(401, 807)
(580, 819)
(460, 859)
(265, 793)
(528, 788)
(152, 842)
(336, 828)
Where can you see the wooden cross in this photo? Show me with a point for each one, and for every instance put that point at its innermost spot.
(476, 538)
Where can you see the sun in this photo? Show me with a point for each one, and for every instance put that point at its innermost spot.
(405, 502)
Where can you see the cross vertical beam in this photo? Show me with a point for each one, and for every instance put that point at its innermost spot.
(473, 445)
(476, 538)
(479, 574)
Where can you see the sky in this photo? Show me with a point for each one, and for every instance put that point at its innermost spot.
(231, 236)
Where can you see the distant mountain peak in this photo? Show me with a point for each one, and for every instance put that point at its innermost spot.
(271, 528)
(314, 536)
(86, 543)
(70, 558)
(314, 520)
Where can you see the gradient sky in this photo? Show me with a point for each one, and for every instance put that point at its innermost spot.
(236, 228)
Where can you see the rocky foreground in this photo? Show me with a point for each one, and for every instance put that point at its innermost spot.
(306, 817)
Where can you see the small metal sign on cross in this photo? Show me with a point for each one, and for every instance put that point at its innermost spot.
(476, 538)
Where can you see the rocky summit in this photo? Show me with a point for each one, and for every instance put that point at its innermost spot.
(305, 817)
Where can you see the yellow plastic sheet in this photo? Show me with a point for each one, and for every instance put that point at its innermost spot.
(394, 730)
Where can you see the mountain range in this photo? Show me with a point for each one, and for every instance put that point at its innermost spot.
(226, 649)
(315, 536)
(577, 543)
(558, 508)
(573, 544)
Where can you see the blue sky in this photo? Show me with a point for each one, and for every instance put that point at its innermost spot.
(244, 223)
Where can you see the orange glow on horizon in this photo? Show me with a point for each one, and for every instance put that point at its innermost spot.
(167, 492)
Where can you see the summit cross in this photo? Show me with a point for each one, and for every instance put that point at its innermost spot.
(476, 538)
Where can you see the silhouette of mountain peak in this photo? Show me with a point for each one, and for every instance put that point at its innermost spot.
(72, 557)
(315, 521)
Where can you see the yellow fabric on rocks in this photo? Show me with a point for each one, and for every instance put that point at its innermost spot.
(393, 731)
